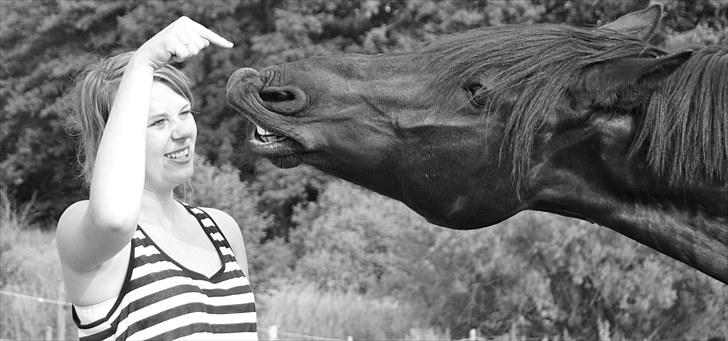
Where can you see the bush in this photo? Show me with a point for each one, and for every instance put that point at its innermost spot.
(534, 274)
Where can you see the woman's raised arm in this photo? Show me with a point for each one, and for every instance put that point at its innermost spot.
(93, 231)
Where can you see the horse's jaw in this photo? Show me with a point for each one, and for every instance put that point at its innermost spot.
(458, 191)
(448, 175)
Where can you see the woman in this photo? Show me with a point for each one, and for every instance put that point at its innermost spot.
(138, 264)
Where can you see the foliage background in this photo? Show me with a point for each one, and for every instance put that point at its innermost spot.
(326, 240)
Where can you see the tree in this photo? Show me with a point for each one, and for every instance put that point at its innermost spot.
(46, 44)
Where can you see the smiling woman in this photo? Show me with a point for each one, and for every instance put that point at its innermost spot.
(136, 262)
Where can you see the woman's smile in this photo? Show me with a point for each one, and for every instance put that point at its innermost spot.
(181, 155)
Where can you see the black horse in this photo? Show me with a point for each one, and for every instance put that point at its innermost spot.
(589, 123)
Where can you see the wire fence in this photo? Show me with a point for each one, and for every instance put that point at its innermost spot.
(271, 333)
(35, 298)
(54, 332)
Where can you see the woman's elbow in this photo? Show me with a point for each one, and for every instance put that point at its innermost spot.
(113, 222)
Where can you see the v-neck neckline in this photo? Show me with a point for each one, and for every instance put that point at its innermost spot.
(194, 274)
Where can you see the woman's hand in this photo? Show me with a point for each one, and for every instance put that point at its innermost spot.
(178, 41)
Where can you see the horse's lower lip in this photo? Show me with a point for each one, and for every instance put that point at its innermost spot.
(283, 152)
(286, 161)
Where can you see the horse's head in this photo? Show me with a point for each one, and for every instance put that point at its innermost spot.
(454, 130)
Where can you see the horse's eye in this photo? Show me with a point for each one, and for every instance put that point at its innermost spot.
(475, 97)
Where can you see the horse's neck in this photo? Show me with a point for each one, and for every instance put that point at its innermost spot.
(683, 229)
(688, 235)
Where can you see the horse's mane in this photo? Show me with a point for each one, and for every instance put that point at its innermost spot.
(684, 130)
(543, 62)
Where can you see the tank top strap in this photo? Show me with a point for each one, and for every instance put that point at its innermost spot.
(208, 225)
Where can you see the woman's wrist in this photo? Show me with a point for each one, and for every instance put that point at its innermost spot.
(139, 62)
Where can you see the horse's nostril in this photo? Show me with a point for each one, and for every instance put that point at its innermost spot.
(276, 95)
(283, 99)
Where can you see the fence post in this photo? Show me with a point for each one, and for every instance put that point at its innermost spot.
(48, 333)
(61, 314)
(473, 334)
(273, 332)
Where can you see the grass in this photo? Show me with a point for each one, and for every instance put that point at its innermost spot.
(298, 310)
(29, 266)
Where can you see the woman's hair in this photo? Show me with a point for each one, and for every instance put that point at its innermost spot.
(94, 95)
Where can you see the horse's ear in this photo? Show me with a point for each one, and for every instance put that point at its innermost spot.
(624, 80)
(640, 24)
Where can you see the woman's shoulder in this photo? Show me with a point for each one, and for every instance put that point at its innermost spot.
(226, 223)
(231, 230)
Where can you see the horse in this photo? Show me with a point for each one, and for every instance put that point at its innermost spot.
(587, 122)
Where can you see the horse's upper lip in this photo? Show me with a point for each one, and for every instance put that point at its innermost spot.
(243, 93)
(249, 76)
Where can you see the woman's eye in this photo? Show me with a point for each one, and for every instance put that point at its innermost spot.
(158, 123)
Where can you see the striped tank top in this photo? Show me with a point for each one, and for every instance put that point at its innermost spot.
(162, 300)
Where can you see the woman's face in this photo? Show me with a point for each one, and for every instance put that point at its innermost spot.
(171, 135)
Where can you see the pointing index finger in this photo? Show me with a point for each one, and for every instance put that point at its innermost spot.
(213, 37)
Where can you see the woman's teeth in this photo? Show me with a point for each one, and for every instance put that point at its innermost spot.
(178, 154)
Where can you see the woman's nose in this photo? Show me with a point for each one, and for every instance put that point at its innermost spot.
(182, 130)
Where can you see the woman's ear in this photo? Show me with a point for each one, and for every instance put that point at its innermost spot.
(640, 24)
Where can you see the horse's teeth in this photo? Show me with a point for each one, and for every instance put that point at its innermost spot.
(262, 131)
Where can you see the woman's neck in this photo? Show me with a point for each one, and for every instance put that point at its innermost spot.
(158, 208)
